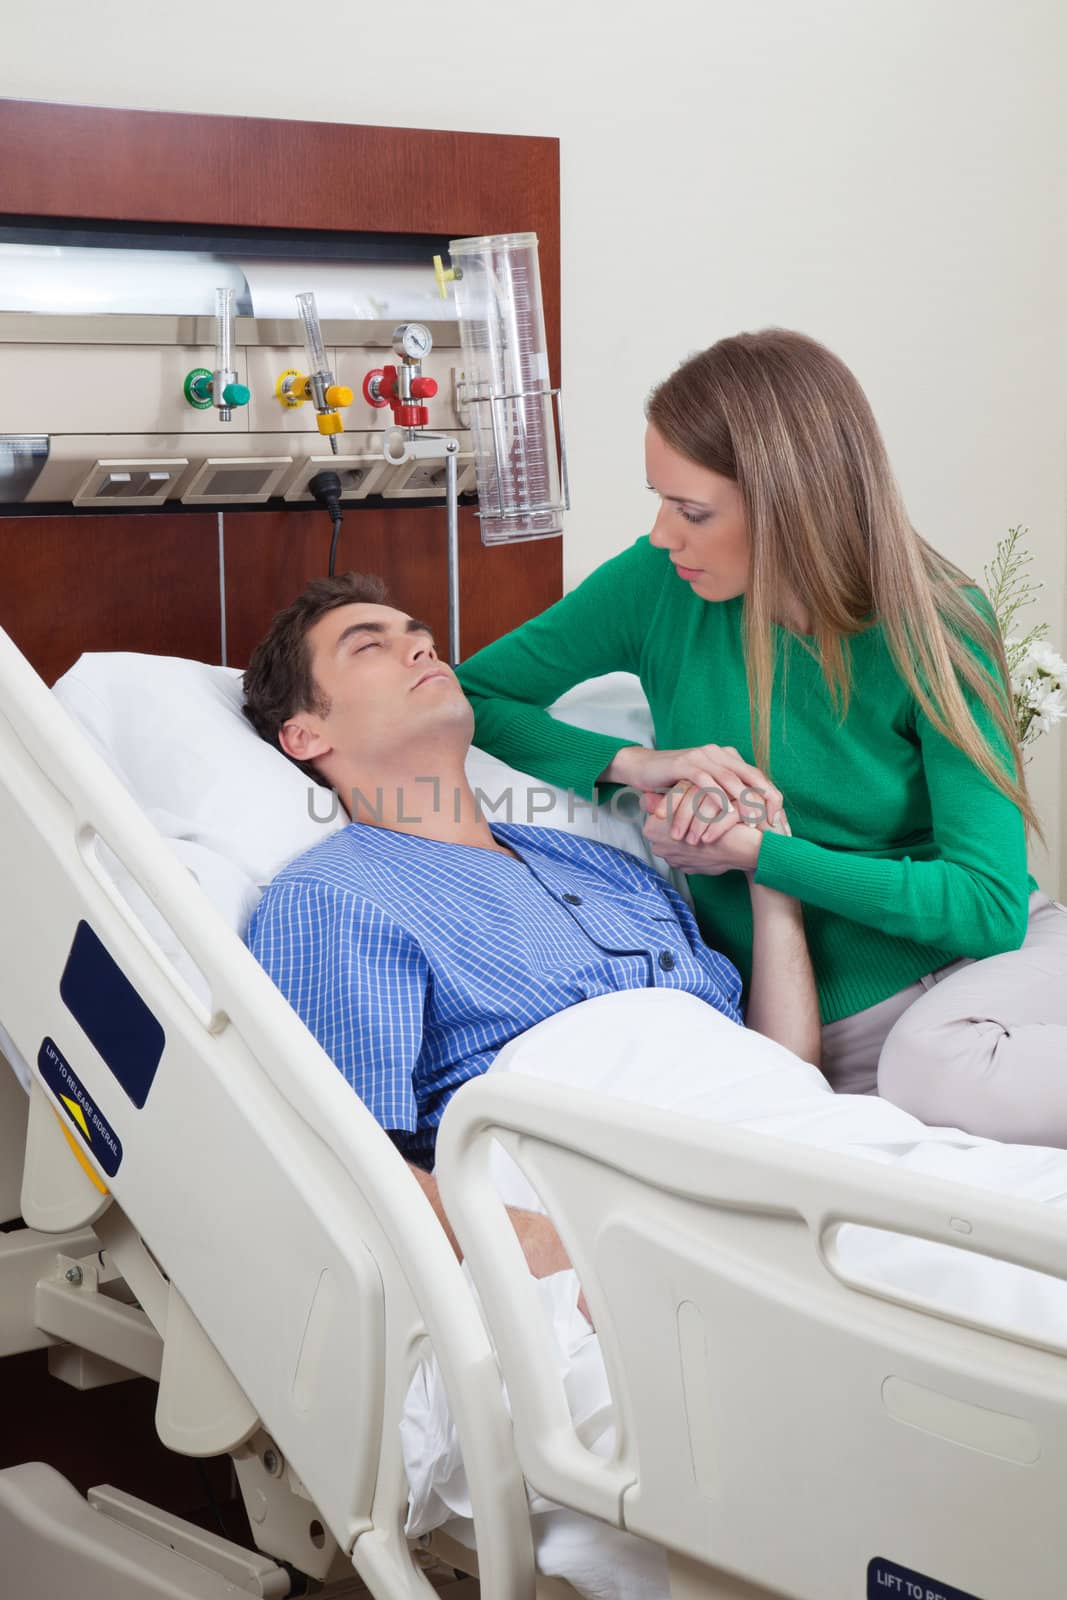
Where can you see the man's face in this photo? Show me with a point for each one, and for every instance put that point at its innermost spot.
(387, 694)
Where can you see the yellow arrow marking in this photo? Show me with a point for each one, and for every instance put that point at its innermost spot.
(78, 1114)
(78, 1153)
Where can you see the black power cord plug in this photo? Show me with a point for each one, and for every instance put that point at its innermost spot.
(326, 489)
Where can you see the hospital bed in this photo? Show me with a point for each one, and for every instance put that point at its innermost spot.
(208, 1204)
(285, 1268)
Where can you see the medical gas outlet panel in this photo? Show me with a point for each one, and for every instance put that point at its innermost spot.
(109, 412)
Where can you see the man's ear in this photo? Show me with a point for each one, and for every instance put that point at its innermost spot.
(302, 742)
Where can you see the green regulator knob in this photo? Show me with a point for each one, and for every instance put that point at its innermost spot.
(197, 388)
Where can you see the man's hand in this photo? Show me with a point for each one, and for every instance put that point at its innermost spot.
(541, 1244)
(543, 1249)
(727, 846)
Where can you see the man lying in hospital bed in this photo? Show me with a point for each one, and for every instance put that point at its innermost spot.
(420, 941)
(663, 1047)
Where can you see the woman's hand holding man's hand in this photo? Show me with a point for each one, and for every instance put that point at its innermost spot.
(728, 847)
(698, 778)
(709, 790)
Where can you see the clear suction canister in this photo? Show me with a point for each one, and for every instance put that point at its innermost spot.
(507, 394)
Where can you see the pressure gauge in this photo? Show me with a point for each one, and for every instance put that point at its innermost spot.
(412, 341)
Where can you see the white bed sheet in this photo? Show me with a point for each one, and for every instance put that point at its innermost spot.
(670, 1050)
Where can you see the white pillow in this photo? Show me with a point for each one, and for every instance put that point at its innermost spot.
(236, 811)
(174, 733)
(614, 703)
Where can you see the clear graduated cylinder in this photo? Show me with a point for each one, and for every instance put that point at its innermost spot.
(309, 316)
(507, 394)
(224, 330)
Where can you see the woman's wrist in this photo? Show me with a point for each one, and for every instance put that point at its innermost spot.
(753, 840)
(620, 769)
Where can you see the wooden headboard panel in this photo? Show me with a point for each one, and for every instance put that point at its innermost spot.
(151, 582)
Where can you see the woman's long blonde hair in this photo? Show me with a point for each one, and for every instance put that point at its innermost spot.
(782, 417)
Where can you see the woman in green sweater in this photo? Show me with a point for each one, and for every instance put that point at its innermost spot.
(802, 647)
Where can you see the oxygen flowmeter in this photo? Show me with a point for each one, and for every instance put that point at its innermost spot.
(317, 384)
(220, 388)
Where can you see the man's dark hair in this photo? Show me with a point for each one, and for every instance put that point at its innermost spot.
(279, 681)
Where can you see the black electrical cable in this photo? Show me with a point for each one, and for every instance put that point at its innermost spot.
(213, 1505)
(325, 488)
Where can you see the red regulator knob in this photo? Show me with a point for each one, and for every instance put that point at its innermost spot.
(379, 387)
(410, 416)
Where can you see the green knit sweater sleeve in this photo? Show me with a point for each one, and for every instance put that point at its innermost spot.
(970, 897)
(599, 627)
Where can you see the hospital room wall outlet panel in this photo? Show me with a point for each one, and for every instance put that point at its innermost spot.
(64, 375)
(360, 470)
(160, 454)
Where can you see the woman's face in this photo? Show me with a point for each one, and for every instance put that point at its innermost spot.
(700, 523)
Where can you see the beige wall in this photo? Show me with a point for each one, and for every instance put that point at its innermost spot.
(888, 175)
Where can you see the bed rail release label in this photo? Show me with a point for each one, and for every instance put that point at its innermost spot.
(80, 1107)
(104, 1002)
(885, 1579)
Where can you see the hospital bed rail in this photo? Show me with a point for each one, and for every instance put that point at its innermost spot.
(266, 1225)
(783, 1427)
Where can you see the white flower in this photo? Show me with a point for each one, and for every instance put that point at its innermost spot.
(1050, 707)
(1038, 674)
(1026, 687)
(1043, 658)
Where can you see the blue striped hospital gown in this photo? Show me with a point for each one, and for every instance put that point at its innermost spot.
(414, 961)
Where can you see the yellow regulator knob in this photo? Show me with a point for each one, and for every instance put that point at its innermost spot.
(292, 387)
(337, 395)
